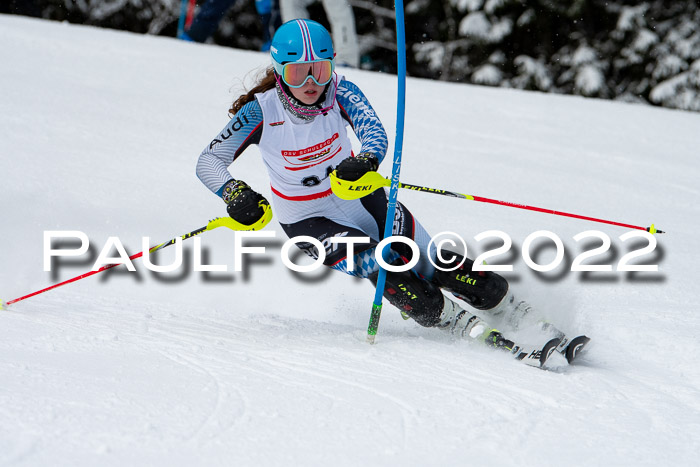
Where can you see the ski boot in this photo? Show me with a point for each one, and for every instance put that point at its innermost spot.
(496, 339)
(461, 323)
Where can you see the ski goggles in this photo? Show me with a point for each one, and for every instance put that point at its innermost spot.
(295, 74)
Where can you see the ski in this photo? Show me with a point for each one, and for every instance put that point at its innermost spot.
(569, 348)
(574, 348)
(535, 356)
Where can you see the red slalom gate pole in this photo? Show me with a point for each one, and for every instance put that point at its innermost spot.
(190, 14)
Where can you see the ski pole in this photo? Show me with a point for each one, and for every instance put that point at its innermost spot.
(396, 169)
(372, 181)
(211, 225)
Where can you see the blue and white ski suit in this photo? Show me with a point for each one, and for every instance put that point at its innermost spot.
(299, 156)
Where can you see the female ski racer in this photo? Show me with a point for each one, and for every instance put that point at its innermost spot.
(297, 114)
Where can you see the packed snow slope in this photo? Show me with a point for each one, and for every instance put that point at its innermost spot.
(100, 132)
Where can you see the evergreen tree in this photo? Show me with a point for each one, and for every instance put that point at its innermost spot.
(640, 52)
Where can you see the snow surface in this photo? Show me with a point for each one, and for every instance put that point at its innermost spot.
(100, 132)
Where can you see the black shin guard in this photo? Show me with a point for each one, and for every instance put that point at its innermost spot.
(420, 299)
(483, 290)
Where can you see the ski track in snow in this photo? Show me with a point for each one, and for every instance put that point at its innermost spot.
(295, 370)
(238, 369)
(101, 132)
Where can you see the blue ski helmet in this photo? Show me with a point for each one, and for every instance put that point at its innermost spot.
(301, 40)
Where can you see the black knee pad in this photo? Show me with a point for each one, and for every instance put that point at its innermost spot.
(481, 289)
(420, 299)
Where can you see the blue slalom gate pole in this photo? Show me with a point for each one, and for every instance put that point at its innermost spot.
(396, 170)
(181, 20)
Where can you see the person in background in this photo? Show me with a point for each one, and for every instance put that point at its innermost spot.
(342, 22)
(210, 14)
(269, 13)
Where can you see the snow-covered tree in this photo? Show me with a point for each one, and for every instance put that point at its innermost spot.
(620, 49)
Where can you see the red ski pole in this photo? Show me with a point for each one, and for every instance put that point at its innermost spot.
(211, 225)
(372, 181)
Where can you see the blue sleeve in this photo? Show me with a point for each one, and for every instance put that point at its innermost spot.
(243, 130)
(358, 111)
